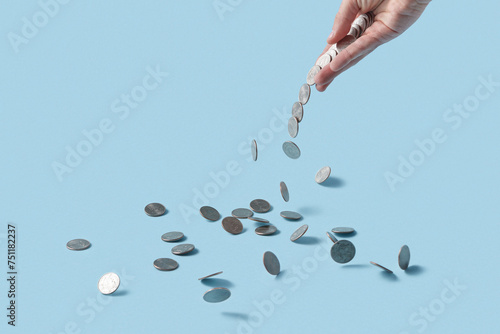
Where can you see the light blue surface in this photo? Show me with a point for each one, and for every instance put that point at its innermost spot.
(227, 82)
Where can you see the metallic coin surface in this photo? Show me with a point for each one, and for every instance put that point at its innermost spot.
(404, 257)
(291, 150)
(78, 244)
(323, 174)
(343, 251)
(345, 42)
(299, 232)
(209, 213)
(242, 213)
(342, 230)
(271, 263)
(155, 209)
(293, 127)
(333, 47)
(182, 249)
(217, 295)
(324, 60)
(332, 53)
(382, 267)
(165, 264)
(260, 205)
(172, 236)
(290, 215)
(232, 225)
(332, 237)
(259, 220)
(211, 275)
(304, 93)
(312, 73)
(297, 111)
(284, 191)
(108, 283)
(254, 150)
(266, 230)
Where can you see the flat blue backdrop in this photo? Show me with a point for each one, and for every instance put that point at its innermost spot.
(221, 78)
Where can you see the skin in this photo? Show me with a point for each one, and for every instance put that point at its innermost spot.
(392, 18)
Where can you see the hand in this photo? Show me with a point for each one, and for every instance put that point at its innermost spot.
(392, 18)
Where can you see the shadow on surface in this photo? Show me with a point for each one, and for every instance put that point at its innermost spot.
(119, 293)
(354, 266)
(333, 182)
(415, 270)
(345, 235)
(236, 315)
(309, 210)
(217, 282)
(388, 276)
(281, 275)
(308, 240)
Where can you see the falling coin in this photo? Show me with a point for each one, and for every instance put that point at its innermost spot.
(271, 263)
(342, 230)
(342, 251)
(297, 111)
(217, 295)
(78, 244)
(165, 264)
(182, 249)
(266, 230)
(404, 257)
(312, 73)
(290, 215)
(260, 205)
(259, 220)
(284, 191)
(324, 60)
(291, 150)
(378, 265)
(209, 213)
(242, 213)
(211, 275)
(331, 236)
(304, 93)
(293, 127)
(232, 225)
(323, 174)
(108, 283)
(172, 236)
(254, 150)
(299, 232)
(155, 209)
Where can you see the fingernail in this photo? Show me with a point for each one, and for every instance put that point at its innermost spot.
(331, 35)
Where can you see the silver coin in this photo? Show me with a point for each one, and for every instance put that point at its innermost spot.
(332, 53)
(217, 295)
(260, 205)
(155, 209)
(284, 191)
(172, 236)
(182, 249)
(299, 232)
(342, 230)
(271, 263)
(361, 21)
(259, 220)
(165, 264)
(254, 150)
(209, 213)
(323, 174)
(332, 237)
(232, 225)
(78, 244)
(324, 60)
(291, 150)
(108, 283)
(293, 127)
(211, 275)
(290, 215)
(345, 42)
(382, 267)
(304, 93)
(312, 73)
(297, 111)
(242, 213)
(354, 31)
(266, 230)
(333, 47)
(343, 251)
(404, 257)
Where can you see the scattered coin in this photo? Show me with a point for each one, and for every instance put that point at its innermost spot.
(331, 236)
(165, 264)
(378, 265)
(232, 225)
(404, 257)
(323, 174)
(172, 236)
(260, 205)
(297, 111)
(304, 93)
(291, 150)
(271, 263)
(217, 295)
(259, 220)
(293, 127)
(209, 213)
(342, 251)
(155, 209)
(290, 215)
(324, 60)
(254, 150)
(78, 244)
(242, 213)
(342, 230)
(211, 275)
(182, 249)
(299, 232)
(108, 283)
(312, 73)
(284, 191)
(266, 230)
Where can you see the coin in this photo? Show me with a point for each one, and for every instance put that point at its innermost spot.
(304, 93)
(271, 263)
(232, 225)
(324, 60)
(284, 191)
(182, 249)
(378, 265)
(343, 251)
(293, 127)
(342, 230)
(259, 220)
(155, 209)
(299, 232)
(332, 52)
(78, 244)
(254, 150)
(297, 111)
(333, 47)
(404, 257)
(323, 174)
(332, 238)
(291, 150)
(260, 205)
(355, 31)
(312, 73)
(204, 277)
(345, 42)
(108, 283)
(242, 213)
(172, 236)
(290, 215)
(209, 213)
(217, 295)
(165, 264)
(266, 230)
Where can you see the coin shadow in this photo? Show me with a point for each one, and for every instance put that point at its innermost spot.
(236, 315)
(333, 182)
(355, 266)
(389, 276)
(281, 275)
(119, 293)
(415, 270)
(217, 282)
(308, 240)
(308, 210)
(346, 235)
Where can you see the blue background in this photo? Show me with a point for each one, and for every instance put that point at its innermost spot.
(228, 79)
